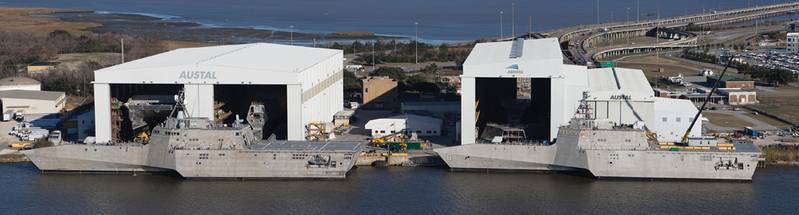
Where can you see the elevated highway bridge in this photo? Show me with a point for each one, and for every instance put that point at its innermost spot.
(580, 43)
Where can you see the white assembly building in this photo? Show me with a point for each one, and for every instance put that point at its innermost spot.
(525, 84)
(307, 83)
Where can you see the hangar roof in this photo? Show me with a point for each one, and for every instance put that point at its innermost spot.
(609, 81)
(31, 94)
(261, 56)
(529, 58)
(17, 80)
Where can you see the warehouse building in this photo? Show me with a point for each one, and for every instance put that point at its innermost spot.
(19, 83)
(737, 96)
(732, 81)
(31, 101)
(490, 92)
(408, 124)
(298, 85)
(380, 92)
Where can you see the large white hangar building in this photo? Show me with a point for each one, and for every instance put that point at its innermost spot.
(525, 84)
(297, 84)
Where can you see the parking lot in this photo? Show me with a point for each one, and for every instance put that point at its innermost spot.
(5, 138)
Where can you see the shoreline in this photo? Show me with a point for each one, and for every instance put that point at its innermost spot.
(168, 27)
(42, 20)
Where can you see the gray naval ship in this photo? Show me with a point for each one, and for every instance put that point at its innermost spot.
(608, 151)
(200, 148)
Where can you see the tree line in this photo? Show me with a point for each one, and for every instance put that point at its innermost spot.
(18, 49)
(404, 52)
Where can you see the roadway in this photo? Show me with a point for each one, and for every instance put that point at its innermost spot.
(575, 37)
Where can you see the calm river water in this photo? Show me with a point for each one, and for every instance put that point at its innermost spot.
(393, 191)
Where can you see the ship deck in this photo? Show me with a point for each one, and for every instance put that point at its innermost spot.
(308, 146)
(739, 147)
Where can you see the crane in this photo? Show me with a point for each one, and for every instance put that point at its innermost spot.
(712, 90)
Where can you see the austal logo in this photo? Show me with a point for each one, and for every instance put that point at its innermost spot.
(197, 75)
(620, 97)
(514, 68)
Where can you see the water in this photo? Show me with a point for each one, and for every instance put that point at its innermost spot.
(393, 191)
(439, 20)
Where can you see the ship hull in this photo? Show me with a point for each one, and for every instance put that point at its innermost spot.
(673, 165)
(209, 164)
(205, 164)
(651, 164)
(500, 157)
(90, 158)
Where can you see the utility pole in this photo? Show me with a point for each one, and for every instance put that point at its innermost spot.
(122, 50)
(756, 35)
(416, 42)
(657, 39)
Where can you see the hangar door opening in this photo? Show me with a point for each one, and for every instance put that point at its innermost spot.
(237, 100)
(137, 108)
(513, 109)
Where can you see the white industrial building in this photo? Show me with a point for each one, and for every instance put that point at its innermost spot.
(621, 95)
(19, 83)
(408, 123)
(312, 78)
(31, 101)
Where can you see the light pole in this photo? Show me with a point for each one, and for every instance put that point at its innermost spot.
(501, 34)
(597, 12)
(416, 42)
(628, 22)
(291, 35)
(638, 11)
(512, 19)
(530, 19)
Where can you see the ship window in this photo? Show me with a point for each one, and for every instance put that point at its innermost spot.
(237, 133)
(665, 119)
(678, 119)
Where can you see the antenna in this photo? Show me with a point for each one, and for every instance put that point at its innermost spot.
(179, 99)
(712, 90)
